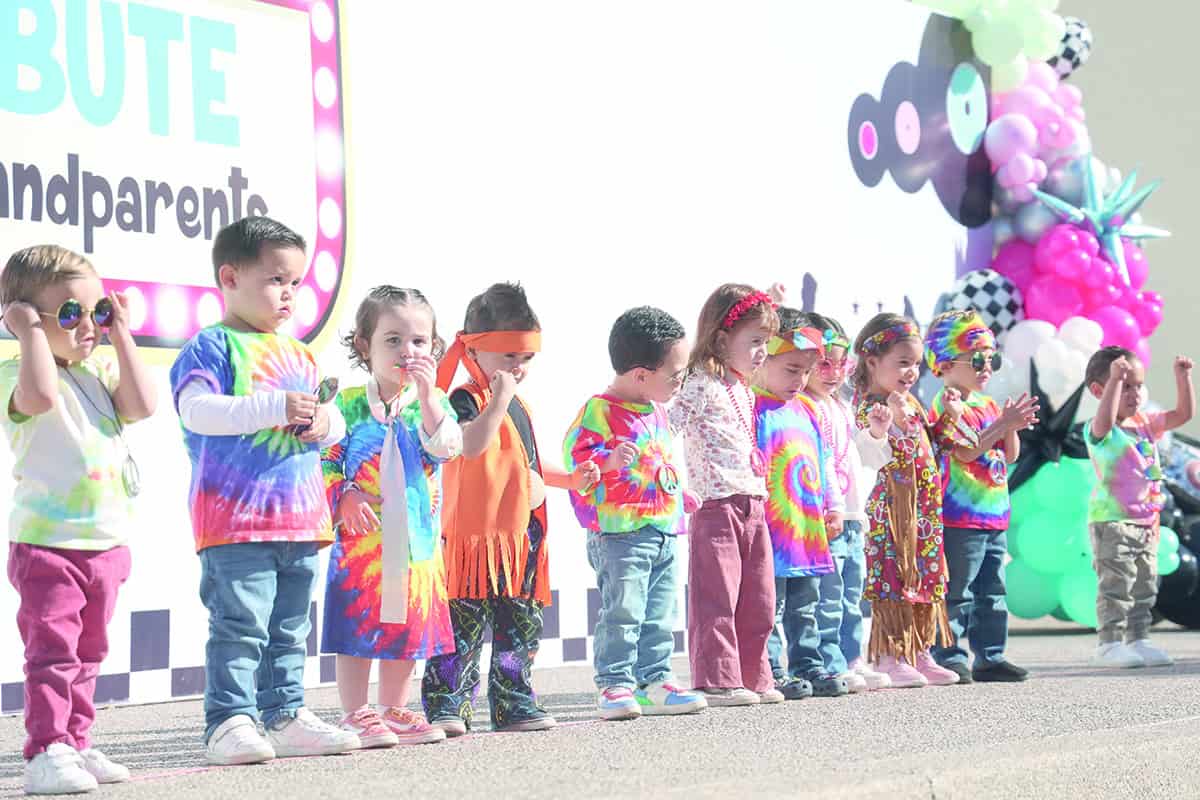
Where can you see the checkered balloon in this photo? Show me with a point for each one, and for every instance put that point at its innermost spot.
(1074, 49)
(994, 296)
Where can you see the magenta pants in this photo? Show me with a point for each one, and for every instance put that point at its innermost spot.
(67, 600)
(731, 595)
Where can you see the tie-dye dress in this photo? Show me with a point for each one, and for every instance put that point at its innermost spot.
(976, 493)
(353, 590)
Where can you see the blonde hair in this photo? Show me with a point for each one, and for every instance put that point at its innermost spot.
(32, 269)
(706, 354)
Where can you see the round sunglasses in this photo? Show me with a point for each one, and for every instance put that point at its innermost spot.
(71, 313)
(981, 360)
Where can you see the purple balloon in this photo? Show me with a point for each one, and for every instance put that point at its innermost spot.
(1009, 135)
(1053, 299)
(1014, 260)
(1119, 326)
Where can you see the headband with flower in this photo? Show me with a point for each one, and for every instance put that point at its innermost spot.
(741, 307)
(889, 336)
(954, 334)
(830, 338)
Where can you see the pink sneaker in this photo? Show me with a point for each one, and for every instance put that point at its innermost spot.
(936, 674)
(875, 680)
(410, 727)
(901, 674)
(369, 726)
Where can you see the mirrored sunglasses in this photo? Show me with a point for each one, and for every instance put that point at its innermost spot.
(71, 313)
(980, 360)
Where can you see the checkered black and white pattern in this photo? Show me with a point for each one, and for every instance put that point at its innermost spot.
(995, 297)
(1074, 49)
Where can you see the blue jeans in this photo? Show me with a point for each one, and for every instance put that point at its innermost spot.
(257, 595)
(796, 613)
(839, 611)
(975, 596)
(634, 639)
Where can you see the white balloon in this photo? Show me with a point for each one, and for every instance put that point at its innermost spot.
(1022, 340)
(1081, 334)
(1009, 381)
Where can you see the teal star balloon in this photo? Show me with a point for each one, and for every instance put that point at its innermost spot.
(1107, 216)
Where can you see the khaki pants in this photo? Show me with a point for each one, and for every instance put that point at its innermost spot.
(1126, 564)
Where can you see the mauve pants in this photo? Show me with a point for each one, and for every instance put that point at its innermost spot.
(731, 595)
(67, 601)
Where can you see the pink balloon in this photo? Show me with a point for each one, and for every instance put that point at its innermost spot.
(1028, 101)
(1068, 96)
(1152, 297)
(1053, 299)
(1014, 260)
(1148, 315)
(1077, 113)
(1007, 136)
(1119, 326)
(1017, 171)
(1040, 170)
(1089, 242)
(1059, 239)
(1072, 264)
(1106, 295)
(1101, 274)
(1043, 76)
(1135, 262)
(1142, 351)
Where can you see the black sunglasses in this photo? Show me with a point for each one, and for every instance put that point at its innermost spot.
(70, 314)
(980, 360)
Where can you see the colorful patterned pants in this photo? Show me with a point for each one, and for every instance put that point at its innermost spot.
(452, 681)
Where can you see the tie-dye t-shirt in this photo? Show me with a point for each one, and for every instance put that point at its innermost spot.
(1124, 490)
(69, 493)
(976, 493)
(800, 484)
(648, 491)
(353, 592)
(261, 487)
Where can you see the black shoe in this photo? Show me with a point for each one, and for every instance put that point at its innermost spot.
(1000, 672)
(826, 685)
(794, 688)
(959, 669)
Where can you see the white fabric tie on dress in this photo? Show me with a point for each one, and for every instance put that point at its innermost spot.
(393, 489)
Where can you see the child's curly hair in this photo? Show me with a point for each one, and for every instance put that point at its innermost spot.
(367, 318)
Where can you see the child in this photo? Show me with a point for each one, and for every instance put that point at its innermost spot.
(804, 508)
(839, 607)
(66, 408)
(1123, 512)
(494, 526)
(961, 350)
(386, 594)
(731, 603)
(906, 566)
(634, 514)
(259, 512)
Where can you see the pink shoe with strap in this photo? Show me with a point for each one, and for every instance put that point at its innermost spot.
(411, 727)
(935, 673)
(901, 674)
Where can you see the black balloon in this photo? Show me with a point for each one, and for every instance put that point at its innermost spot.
(1178, 599)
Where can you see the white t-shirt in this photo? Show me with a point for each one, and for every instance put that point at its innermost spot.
(69, 461)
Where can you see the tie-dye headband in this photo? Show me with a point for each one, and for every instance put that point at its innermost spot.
(744, 305)
(889, 336)
(954, 334)
(799, 339)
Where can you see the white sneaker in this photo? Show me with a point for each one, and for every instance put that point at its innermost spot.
(236, 741)
(306, 735)
(103, 770)
(875, 680)
(58, 770)
(1117, 656)
(718, 698)
(854, 682)
(771, 696)
(1151, 655)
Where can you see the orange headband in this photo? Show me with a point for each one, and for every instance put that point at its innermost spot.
(489, 342)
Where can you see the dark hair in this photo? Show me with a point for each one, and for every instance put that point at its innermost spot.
(503, 307)
(1101, 361)
(822, 323)
(241, 243)
(641, 337)
(705, 353)
(367, 318)
(876, 324)
(790, 319)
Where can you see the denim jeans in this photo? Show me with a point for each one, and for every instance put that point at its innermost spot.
(258, 596)
(975, 596)
(796, 613)
(839, 611)
(634, 637)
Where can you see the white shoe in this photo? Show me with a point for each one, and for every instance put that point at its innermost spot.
(718, 698)
(854, 682)
(306, 735)
(58, 770)
(771, 696)
(237, 741)
(1151, 655)
(103, 770)
(1117, 656)
(875, 680)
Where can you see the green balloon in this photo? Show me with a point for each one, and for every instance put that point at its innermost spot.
(1168, 541)
(1043, 34)
(1168, 561)
(1050, 542)
(998, 43)
(950, 8)
(1077, 594)
(1030, 593)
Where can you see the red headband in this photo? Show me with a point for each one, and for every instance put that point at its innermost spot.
(744, 305)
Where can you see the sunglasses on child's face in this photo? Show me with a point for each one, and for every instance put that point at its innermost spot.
(71, 313)
(834, 367)
(980, 360)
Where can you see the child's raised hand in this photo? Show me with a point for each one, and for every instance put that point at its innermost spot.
(777, 293)
(585, 476)
(319, 428)
(952, 404)
(880, 419)
(1119, 369)
(20, 317)
(503, 386)
(1183, 365)
(355, 513)
(624, 454)
(120, 317)
(301, 408)
(423, 371)
(834, 524)
(899, 408)
(1020, 414)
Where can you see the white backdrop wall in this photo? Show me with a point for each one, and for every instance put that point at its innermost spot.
(604, 154)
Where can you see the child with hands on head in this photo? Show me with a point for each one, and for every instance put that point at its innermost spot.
(633, 515)
(66, 407)
(961, 350)
(731, 605)
(906, 565)
(253, 430)
(1124, 506)
(385, 598)
(494, 521)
